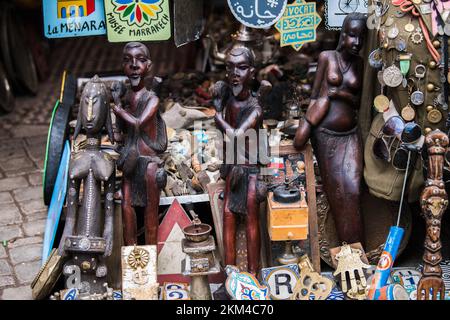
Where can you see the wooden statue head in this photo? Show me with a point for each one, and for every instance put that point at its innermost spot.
(240, 63)
(353, 33)
(93, 113)
(136, 63)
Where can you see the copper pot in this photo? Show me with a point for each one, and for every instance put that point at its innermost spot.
(197, 232)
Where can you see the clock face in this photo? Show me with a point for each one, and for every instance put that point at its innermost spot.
(348, 6)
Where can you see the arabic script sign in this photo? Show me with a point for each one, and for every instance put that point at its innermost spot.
(137, 20)
(298, 24)
(257, 13)
(73, 18)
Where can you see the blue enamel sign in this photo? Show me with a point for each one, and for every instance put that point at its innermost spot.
(257, 13)
(73, 18)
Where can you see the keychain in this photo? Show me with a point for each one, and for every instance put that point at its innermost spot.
(418, 97)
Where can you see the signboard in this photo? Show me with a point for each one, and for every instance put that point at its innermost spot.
(281, 280)
(298, 24)
(257, 13)
(137, 20)
(73, 18)
(337, 10)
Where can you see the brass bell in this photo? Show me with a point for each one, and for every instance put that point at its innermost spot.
(430, 87)
(429, 108)
(436, 44)
(428, 130)
(432, 64)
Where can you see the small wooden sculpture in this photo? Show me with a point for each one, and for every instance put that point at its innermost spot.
(145, 139)
(349, 260)
(434, 202)
(311, 283)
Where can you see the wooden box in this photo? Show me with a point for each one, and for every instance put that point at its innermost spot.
(286, 221)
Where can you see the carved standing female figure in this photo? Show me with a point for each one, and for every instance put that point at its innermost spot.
(145, 139)
(331, 123)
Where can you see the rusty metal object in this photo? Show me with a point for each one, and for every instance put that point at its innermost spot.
(434, 202)
(197, 232)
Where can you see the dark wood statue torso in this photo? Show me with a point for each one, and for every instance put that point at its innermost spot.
(150, 128)
(338, 146)
(342, 115)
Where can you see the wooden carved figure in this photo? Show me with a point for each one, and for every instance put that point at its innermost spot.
(331, 123)
(85, 237)
(145, 138)
(239, 114)
(434, 202)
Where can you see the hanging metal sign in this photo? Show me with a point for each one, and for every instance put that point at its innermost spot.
(257, 13)
(337, 10)
(298, 24)
(74, 18)
(137, 20)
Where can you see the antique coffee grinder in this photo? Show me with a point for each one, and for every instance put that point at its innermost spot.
(200, 261)
(287, 218)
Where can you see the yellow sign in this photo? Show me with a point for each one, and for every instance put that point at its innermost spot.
(298, 24)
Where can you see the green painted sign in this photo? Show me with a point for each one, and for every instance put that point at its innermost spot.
(137, 20)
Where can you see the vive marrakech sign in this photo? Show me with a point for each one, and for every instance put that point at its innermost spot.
(137, 20)
(73, 18)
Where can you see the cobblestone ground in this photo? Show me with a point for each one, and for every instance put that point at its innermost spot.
(23, 135)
